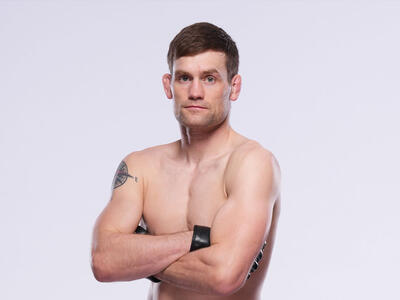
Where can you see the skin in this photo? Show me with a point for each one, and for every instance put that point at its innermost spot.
(213, 177)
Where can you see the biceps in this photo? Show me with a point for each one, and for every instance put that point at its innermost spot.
(124, 210)
(240, 229)
(122, 214)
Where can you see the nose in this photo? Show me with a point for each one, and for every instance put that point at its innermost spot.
(196, 91)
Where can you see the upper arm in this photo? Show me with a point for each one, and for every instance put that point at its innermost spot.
(242, 224)
(124, 210)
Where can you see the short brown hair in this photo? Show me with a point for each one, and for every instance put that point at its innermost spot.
(200, 37)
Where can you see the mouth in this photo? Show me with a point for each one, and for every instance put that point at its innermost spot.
(195, 107)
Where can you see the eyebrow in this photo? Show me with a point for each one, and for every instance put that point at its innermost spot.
(210, 71)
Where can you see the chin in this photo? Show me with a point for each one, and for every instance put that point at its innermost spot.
(198, 124)
(194, 125)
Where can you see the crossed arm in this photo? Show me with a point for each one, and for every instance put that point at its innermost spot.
(237, 234)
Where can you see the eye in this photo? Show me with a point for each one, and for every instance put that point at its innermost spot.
(184, 78)
(210, 79)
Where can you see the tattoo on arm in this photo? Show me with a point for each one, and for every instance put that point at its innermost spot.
(122, 175)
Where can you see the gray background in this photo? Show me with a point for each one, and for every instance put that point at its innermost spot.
(80, 87)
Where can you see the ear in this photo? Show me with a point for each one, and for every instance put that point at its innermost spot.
(166, 81)
(236, 84)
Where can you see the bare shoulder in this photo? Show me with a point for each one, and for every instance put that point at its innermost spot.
(253, 160)
(252, 150)
(149, 157)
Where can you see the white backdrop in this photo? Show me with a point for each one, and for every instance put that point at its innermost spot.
(80, 87)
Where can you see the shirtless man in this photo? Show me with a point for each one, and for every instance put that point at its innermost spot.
(213, 186)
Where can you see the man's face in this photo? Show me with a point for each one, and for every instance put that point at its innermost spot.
(201, 90)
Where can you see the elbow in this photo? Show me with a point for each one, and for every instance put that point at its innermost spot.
(228, 282)
(99, 268)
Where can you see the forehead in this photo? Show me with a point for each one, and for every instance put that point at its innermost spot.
(203, 61)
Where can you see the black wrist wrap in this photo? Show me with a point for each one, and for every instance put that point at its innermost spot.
(141, 230)
(201, 237)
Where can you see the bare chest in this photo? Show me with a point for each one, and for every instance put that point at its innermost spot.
(177, 198)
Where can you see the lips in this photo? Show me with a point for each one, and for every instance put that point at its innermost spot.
(194, 106)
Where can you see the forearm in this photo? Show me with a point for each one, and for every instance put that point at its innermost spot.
(198, 271)
(125, 257)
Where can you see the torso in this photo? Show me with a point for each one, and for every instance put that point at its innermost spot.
(176, 197)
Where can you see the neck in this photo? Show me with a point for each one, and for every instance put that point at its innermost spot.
(198, 145)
